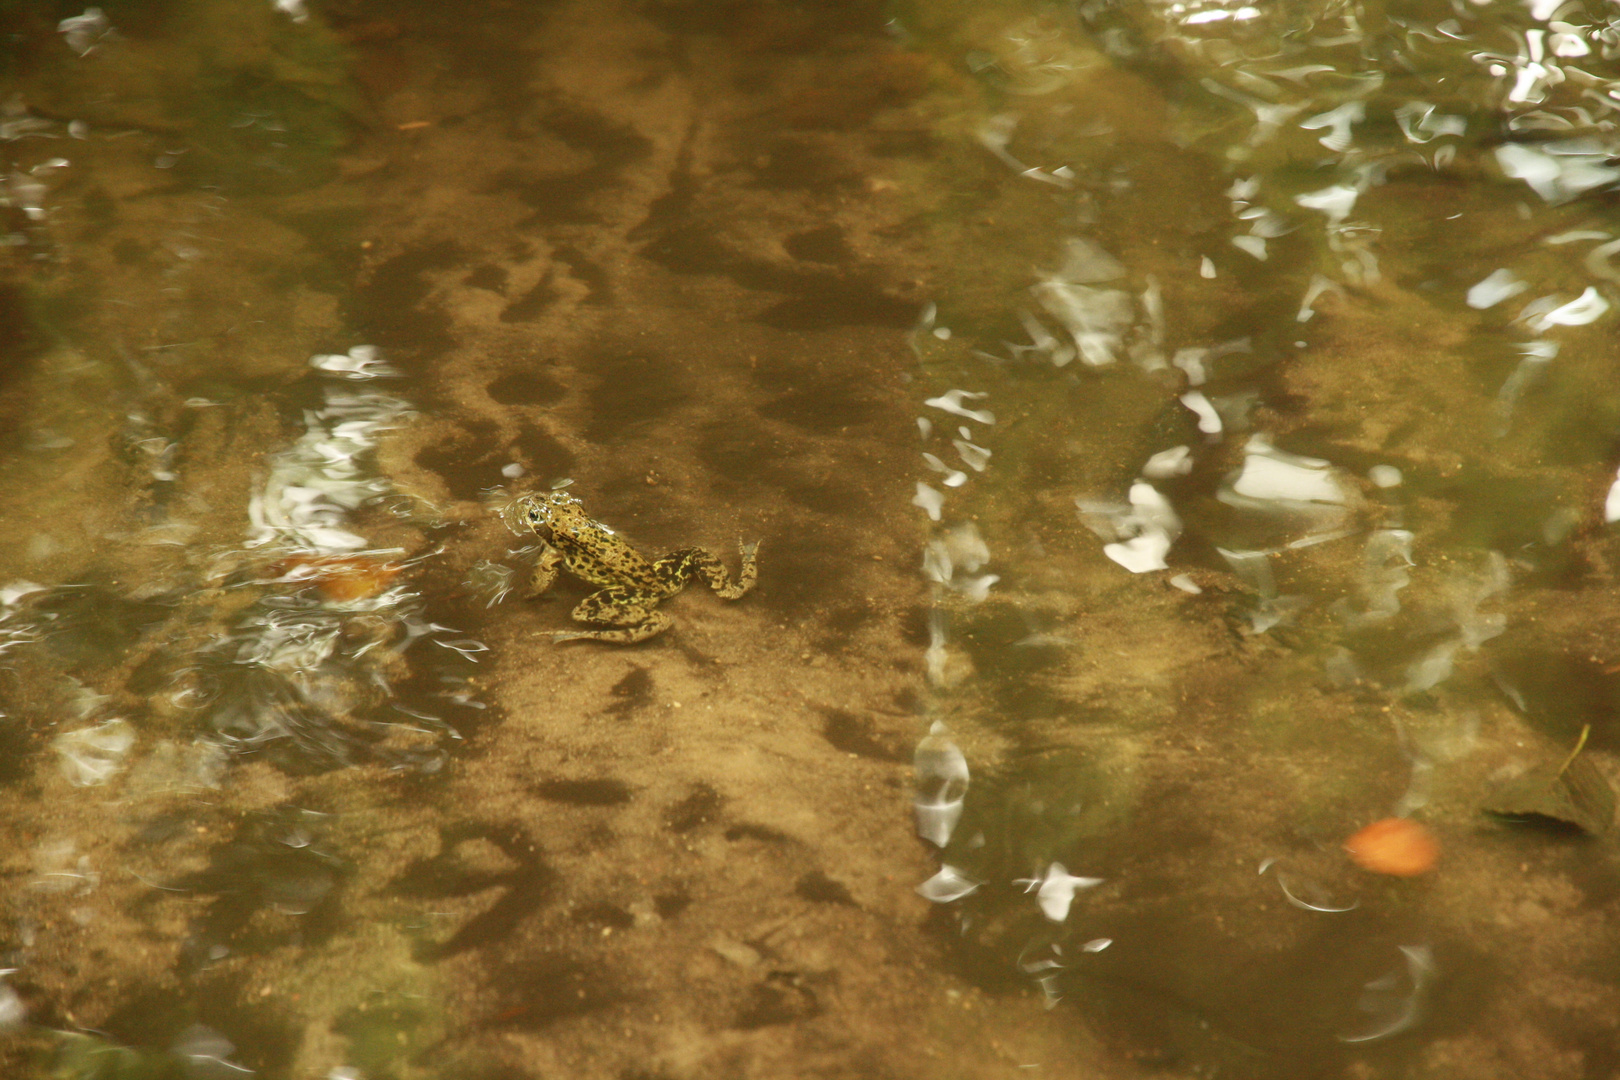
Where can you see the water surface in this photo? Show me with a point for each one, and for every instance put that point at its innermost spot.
(1178, 436)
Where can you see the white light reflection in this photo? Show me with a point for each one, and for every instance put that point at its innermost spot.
(947, 885)
(1499, 286)
(1254, 245)
(1054, 891)
(1588, 307)
(930, 500)
(1097, 319)
(1319, 286)
(314, 485)
(1305, 905)
(1336, 202)
(951, 402)
(1269, 118)
(1140, 533)
(1396, 1001)
(1176, 461)
(1559, 171)
(1210, 15)
(1209, 421)
(84, 32)
(94, 755)
(942, 783)
(1271, 476)
(1338, 123)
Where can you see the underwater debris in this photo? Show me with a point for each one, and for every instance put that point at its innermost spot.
(1396, 846)
(1573, 792)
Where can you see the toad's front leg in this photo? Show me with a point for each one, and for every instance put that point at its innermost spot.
(545, 569)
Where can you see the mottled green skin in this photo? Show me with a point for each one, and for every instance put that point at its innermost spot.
(631, 586)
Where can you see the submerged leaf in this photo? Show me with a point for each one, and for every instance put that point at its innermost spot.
(1573, 793)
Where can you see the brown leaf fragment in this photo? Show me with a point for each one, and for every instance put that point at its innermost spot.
(1573, 792)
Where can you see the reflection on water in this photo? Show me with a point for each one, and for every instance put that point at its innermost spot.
(1182, 436)
(1348, 473)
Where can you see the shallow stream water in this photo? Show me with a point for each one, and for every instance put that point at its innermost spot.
(1177, 436)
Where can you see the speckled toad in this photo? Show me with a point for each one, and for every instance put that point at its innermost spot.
(631, 586)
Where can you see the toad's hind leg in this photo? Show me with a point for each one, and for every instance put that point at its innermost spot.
(682, 566)
(627, 609)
